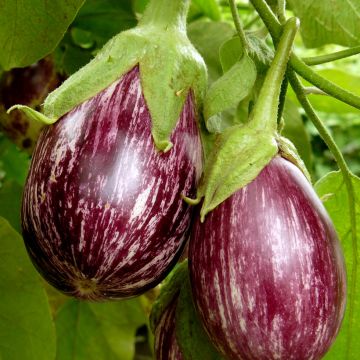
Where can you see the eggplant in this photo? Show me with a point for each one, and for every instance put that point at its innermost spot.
(267, 272)
(103, 214)
(166, 345)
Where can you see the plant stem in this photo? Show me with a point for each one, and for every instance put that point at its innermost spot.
(238, 26)
(322, 59)
(347, 177)
(282, 10)
(239, 6)
(167, 14)
(282, 98)
(313, 90)
(265, 111)
(272, 23)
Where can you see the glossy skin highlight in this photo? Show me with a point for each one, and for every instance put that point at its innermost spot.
(267, 271)
(102, 212)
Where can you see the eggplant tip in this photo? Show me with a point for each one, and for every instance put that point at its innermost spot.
(86, 289)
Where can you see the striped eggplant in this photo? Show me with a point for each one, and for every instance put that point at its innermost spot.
(267, 272)
(166, 346)
(178, 332)
(102, 211)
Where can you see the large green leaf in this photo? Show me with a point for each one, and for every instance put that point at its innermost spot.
(29, 30)
(93, 331)
(26, 328)
(332, 190)
(328, 22)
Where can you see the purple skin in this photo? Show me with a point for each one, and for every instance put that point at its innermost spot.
(166, 346)
(102, 212)
(267, 271)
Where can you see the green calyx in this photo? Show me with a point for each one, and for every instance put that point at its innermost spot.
(169, 68)
(242, 151)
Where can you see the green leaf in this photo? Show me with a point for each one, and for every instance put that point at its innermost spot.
(10, 203)
(26, 328)
(93, 331)
(332, 190)
(31, 29)
(259, 51)
(191, 336)
(328, 22)
(139, 5)
(295, 131)
(103, 19)
(327, 103)
(13, 162)
(210, 8)
(230, 53)
(207, 37)
(231, 88)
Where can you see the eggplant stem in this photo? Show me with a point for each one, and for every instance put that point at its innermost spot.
(266, 108)
(323, 59)
(274, 27)
(238, 26)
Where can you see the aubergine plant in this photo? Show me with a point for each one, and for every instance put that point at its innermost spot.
(158, 158)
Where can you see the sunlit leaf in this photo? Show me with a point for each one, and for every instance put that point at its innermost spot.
(331, 188)
(29, 30)
(328, 22)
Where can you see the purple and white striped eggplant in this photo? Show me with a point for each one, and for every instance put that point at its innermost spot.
(103, 214)
(166, 345)
(102, 210)
(267, 272)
